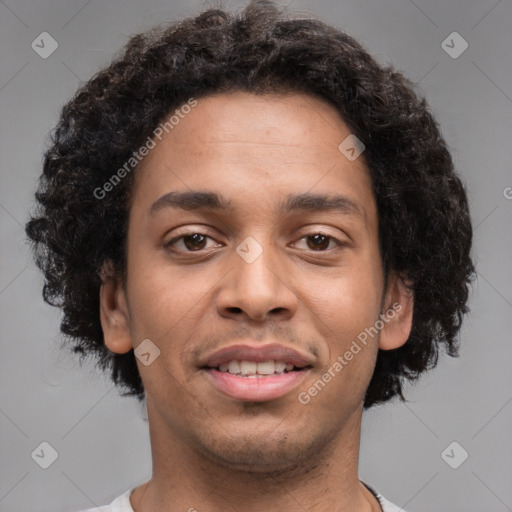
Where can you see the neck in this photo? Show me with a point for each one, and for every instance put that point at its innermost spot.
(185, 479)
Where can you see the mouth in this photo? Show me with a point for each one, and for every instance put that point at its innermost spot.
(256, 373)
(253, 369)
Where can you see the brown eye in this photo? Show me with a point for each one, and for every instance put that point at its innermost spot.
(191, 242)
(318, 241)
(194, 242)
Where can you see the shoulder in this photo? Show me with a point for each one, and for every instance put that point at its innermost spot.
(120, 504)
(386, 505)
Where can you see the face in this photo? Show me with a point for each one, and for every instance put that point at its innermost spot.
(252, 247)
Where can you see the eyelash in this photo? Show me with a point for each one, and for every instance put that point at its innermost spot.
(191, 233)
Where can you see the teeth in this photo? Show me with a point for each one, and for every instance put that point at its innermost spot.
(233, 367)
(266, 368)
(248, 367)
(252, 369)
(281, 367)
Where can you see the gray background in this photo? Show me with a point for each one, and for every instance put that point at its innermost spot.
(102, 439)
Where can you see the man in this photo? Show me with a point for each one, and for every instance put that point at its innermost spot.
(260, 231)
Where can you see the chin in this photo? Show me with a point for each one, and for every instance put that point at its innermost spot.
(270, 454)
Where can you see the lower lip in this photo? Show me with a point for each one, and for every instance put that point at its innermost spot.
(256, 389)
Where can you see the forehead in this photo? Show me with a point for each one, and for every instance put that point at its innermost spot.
(249, 146)
(297, 123)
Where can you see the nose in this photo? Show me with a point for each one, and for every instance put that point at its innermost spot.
(257, 290)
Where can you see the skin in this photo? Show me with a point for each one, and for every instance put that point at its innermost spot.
(210, 452)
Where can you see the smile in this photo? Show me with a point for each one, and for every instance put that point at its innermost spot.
(254, 369)
(247, 381)
(256, 372)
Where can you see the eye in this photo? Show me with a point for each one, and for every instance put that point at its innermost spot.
(190, 242)
(320, 242)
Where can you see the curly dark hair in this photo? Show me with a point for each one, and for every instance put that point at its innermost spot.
(425, 232)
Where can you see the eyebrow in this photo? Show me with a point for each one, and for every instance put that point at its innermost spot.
(322, 202)
(191, 200)
(206, 200)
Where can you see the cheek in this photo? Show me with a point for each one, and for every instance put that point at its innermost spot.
(160, 293)
(344, 308)
(347, 301)
(166, 306)
(159, 309)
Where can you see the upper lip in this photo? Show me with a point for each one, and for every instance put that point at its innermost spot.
(257, 353)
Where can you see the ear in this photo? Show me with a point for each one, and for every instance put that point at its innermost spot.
(114, 315)
(397, 312)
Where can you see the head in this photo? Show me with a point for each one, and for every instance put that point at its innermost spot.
(244, 219)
